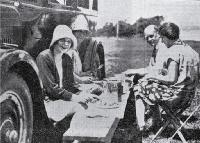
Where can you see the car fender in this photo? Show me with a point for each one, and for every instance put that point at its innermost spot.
(20, 62)
(11, 57)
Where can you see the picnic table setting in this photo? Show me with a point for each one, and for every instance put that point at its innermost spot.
(99, 121)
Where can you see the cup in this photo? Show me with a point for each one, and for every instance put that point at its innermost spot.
(119, 91)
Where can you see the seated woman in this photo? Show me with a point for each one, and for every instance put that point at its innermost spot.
(173, 82)
(79, 76)
(56, 70)
(90, 51)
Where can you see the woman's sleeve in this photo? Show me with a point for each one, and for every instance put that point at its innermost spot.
(77, 63)
(175, 56)
(52, 88)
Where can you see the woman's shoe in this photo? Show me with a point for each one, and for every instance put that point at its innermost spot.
(144, 131)
(142, 128)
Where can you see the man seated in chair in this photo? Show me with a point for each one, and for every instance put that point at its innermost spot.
(152, 38)
(174, 81)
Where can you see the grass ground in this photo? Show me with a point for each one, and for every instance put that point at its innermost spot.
(125, 54)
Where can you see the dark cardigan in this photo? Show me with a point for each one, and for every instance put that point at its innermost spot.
(50, 77)
(92, 56)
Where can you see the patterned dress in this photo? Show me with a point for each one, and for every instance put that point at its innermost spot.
(188, 60)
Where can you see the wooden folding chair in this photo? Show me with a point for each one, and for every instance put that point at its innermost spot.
(178, 130)
(173, 117)
(173, 113)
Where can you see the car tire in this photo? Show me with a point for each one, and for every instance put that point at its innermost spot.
(16, 122)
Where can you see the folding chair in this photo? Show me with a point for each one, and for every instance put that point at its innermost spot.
(178, 130)
(173, 113)
(173, 117)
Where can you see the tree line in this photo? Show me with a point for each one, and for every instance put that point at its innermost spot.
(125, 29)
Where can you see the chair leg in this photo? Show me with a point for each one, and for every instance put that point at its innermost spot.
(173, 119)
(181, 137)
(178, 131)
(180, 125)
(184, 122)
(177, 123)
(160, 130)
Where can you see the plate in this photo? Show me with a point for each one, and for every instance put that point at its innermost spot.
(105, 105)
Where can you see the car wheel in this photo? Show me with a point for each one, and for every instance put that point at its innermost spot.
(16, 116)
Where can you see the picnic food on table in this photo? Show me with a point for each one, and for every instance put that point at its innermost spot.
(96, 91)
(104, 104)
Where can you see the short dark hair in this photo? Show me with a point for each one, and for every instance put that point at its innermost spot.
(169, 30)
(81, 31)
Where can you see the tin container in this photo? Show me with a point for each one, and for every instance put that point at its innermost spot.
(114, 88)
(119, 91)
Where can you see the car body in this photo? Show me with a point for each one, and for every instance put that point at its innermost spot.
(23, 113)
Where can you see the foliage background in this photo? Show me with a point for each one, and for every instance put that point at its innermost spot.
(125, 29)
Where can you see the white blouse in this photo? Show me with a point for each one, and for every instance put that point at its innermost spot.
(58, 61)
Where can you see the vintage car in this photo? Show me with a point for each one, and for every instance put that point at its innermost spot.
(24, 23)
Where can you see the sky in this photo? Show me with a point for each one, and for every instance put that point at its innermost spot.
(182, 12)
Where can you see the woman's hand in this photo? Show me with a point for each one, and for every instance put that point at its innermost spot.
(88, 73)
(79, 98)
(86, 80)
(84, 97)
(83, 80)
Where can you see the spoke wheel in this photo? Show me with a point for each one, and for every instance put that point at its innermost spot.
(16, 111)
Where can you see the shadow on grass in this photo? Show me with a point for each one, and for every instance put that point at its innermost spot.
(184, 117)
(189, 134)
(191, 120)
(127, 134)
(49, 133)
(127, 130)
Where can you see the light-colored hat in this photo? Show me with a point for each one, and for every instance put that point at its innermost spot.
(149, 30)
(63, 31)
(80, 23)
